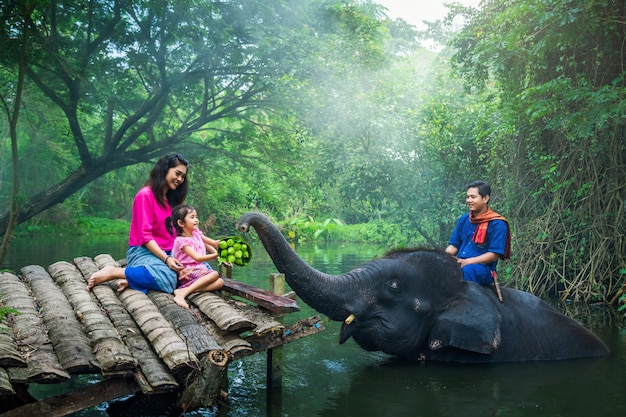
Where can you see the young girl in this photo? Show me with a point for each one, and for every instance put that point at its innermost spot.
(190, 248)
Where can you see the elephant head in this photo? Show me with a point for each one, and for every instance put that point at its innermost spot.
(414, 304)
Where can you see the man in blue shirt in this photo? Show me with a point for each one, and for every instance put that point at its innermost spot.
(480, 237)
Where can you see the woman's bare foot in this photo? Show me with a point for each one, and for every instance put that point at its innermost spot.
(99, 277)
(122, 284)
(180, 299)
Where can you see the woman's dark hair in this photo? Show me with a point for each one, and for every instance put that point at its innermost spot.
(179, 213)
(157, 182)
(484, 188)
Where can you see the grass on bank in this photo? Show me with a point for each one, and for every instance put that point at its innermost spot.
(85, 225)
(303, 229)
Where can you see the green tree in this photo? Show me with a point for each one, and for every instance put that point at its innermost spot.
(11, 99)
(558, 71)
(123, 82)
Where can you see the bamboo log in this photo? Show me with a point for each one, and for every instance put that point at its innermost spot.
(112, 355)
(168, 345)
(70, 343)
(5, 383)
(9, 355)
(196, 337)
(161, 336)
(30, 336)
(298, 330)
(231, 342)
(205, 384)
(264, 323)
(155, 376)
(221, 312)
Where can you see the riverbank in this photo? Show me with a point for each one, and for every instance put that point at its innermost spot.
(300, 230)
(80, 226)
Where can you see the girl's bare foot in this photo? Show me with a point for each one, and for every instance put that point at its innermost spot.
(180, 299)
(99, 277)
(122, 284)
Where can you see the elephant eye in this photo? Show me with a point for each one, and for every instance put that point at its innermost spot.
(393, 284)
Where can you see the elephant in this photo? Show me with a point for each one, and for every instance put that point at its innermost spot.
(414, 304)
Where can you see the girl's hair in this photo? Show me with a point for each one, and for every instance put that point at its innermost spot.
(179, 213)
(157, 182)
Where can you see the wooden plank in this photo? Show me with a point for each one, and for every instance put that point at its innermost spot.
(275, 303)
(293, 332)
(77, 400)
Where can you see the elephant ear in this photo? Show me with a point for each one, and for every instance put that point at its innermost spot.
(471, 322)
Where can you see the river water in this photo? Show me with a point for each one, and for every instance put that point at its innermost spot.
(323, 378)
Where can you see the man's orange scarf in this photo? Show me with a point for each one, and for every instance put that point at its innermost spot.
(480, 234)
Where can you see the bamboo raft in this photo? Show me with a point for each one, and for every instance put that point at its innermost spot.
(138, 343)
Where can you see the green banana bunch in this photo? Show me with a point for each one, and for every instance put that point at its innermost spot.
(234, 250)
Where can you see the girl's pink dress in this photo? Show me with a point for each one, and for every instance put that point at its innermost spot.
(193, 269)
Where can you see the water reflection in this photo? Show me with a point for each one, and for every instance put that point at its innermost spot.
(45, 250)
(451, 390)
(323, 378)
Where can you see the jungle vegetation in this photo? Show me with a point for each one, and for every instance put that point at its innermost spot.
(324, 113)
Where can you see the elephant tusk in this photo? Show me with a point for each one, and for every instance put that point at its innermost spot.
(349, 319)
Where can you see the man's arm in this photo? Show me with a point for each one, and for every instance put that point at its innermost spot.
(452, 250)
(485, 258)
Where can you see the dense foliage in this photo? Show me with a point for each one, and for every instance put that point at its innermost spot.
(333, 119)
(556, 74)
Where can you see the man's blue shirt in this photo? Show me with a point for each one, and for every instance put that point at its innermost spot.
(495, 242)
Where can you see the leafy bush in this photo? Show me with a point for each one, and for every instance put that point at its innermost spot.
(77, 226)
(303, 229)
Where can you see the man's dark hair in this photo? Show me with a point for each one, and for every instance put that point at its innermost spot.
(483, 187)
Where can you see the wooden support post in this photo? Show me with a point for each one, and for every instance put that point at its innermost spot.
(205, 388)
(226, 271)
(275, 355)
(274, 377)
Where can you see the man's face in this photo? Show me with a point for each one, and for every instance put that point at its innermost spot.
(475, 202)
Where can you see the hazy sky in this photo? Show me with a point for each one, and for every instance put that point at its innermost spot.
(416, 11)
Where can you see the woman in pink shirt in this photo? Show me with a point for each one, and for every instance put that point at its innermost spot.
(150, 265)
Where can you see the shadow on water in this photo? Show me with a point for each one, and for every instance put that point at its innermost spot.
(323, 378)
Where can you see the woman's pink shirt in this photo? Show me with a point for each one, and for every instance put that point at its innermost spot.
(149, 221)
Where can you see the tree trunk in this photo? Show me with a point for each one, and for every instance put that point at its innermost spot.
(13, 117)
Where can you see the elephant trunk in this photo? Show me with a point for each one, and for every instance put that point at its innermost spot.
(327, 294)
